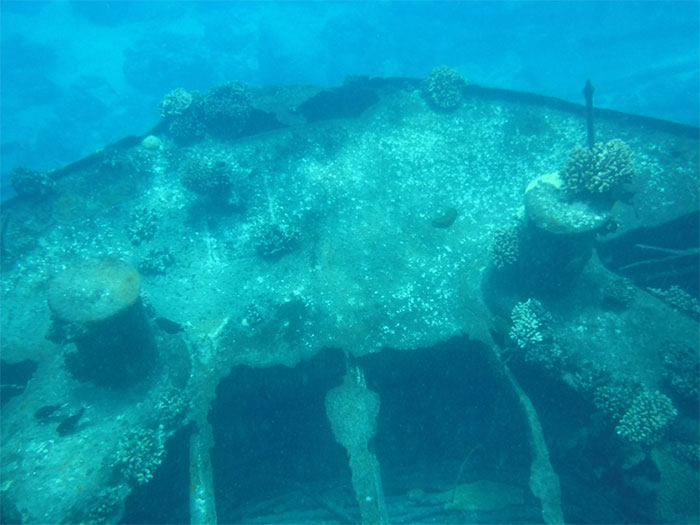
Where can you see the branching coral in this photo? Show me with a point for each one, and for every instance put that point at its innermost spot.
(443, 88)
(597, 171)
(188, 127)
(613, 399)
(205, 175)
(105, 506)
(647, 419)
(143, 223)
(223, 111)
(681, 370)
(679, 299)
(530, 321)
(140, 453)
(182, 110)
(171, 407)
(175, 103)
(504, 246)
(532, 332)
(226, 109)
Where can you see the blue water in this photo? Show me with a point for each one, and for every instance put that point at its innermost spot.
(79, 75)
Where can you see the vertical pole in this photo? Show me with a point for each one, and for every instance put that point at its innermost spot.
(202, 498)
(352, 410)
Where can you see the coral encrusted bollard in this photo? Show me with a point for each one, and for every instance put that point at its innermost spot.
(97, 306)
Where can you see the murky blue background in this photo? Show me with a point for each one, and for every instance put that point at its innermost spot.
(78, 75)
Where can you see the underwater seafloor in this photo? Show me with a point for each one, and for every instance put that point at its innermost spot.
(398, 300)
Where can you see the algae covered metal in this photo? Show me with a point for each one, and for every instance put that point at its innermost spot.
(262, 228)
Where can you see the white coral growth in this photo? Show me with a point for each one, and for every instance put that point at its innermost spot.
(647, 418)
